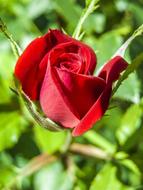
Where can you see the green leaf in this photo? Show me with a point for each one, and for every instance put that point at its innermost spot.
(8, 171)
(53, 177)
(106, 179)
(49, 141)
(100, 141)
(34, 11)
(121, 155)
(131, 166)
(136, 10)
(6, 65)
(104, 48)
(4, 92)
(126, 90)
(11, 127)
(70, 15)
(94, 23)
(129, 124)
(7, 174)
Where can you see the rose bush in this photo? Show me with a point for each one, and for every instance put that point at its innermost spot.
(57, 71)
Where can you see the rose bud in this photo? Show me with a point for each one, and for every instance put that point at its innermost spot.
(57, 71)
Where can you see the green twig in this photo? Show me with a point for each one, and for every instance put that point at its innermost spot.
(91, 151)
(135, 63)
(67, 144)
(42, 121)
(86, 12)
(14, 45)
(122, 49)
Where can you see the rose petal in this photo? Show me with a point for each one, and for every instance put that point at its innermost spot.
(57, 37)
(86, 52)
(89, 59)
(112, 69)
(81, 90)
(95, 113)
(27, 67)
(54, 103)
(110, 72)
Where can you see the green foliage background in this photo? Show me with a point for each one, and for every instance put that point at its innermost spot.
(119, 134)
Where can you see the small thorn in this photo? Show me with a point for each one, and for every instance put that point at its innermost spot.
(106, 115)
(112, 107)
(14, 90)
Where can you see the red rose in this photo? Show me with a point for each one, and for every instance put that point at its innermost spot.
(58, 71)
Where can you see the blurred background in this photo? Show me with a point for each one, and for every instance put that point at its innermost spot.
(117, 138)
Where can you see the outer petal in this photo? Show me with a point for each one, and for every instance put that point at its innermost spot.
(95, 113)
(26, 69)
(54, 102)
(112, 69)
(110, 72)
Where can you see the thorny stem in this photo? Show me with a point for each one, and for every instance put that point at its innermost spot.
(14, 45)
(122, 49)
